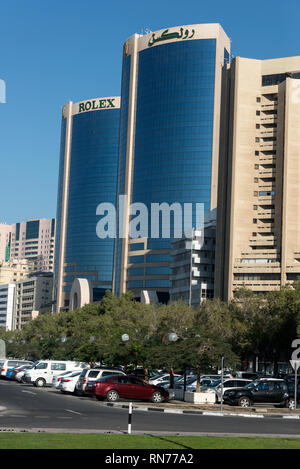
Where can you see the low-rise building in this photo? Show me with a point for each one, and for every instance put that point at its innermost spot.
(33, 296)
(193, 261)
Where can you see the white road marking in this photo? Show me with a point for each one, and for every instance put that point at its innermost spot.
(30, 392)
(73, 411)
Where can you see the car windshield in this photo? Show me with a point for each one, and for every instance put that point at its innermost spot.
(160, 375)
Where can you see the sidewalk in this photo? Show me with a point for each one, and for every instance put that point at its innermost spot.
(181, 407)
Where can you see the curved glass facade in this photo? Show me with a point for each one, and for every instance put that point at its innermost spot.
(174, 126)
(173, 158)
(92, 179)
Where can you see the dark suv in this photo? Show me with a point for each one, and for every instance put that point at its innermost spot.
(265, 391)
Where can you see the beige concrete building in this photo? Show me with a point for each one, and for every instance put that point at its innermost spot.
(15, 270)
(5, 236)
(258, 220)
(33, 296)
(34, 240)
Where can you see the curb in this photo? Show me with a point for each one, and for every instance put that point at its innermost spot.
(199, 412)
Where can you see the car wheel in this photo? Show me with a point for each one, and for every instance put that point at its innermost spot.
(244, 401)
(40, 382)
(157, 397)
(112, 396)
(290, 403)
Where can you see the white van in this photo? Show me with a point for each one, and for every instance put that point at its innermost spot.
(43, 372)
(6, 364)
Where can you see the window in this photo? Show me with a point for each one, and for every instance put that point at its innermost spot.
(121, 380)
(58, 366)
(94, 374)
(42, 366)
(136, 382)
(229, 384)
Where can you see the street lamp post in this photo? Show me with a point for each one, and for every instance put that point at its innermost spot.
(173, 337)
(191, 269)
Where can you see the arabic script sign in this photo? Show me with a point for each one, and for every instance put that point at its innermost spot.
(175, 35)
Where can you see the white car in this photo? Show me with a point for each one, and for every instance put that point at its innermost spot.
(56, 380)
(160, 379)
(68, 383)
(20, 372)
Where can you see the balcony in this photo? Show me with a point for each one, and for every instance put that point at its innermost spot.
(262, 241)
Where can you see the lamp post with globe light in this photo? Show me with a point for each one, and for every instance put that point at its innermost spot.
(173, 337)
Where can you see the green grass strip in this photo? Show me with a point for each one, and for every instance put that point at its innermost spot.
(104, 441)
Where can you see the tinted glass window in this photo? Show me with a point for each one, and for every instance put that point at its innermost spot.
(229, 384)
(263, 386)
(12, 363)
(122, 379)
(94, 374)
(42, 366)
(243, 383)
(136, 382)
(58, 366)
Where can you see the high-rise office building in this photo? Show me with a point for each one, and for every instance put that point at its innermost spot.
(87, 178)
(34, 240)
(258, 218)
(169, 141)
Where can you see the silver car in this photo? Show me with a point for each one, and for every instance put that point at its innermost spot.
(229, 384)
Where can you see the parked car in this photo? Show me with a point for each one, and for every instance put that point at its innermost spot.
(11, 363)
(229, 384)
(43, 372)
(157, 380)
(166, 383)
(12, 373)
(263, 391)
(20, 372)
(56, 380)
(87, 378)
(247, 375)
(291, 390)
(67, 383)
(140, 373)
(127, 387)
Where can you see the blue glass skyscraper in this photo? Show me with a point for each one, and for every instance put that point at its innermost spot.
(87, 178)
(169, 140)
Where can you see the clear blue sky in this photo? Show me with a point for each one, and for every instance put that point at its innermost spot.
(52, 51)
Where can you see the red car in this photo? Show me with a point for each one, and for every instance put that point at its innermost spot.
(127, 387)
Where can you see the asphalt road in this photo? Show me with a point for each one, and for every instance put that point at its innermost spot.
(27, 408)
